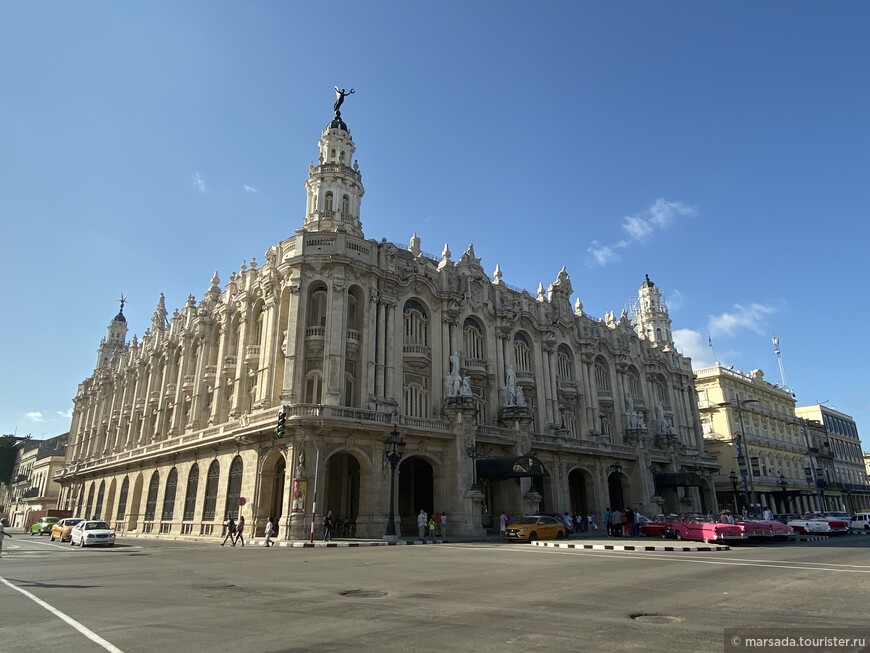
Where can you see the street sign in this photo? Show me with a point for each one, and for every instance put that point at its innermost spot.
(242, 501)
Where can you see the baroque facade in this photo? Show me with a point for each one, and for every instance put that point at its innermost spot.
(506, 400)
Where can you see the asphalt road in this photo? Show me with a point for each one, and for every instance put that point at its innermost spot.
(148, 595)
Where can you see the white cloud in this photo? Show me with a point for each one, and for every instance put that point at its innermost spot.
(750, 318)
(250, 189)
(199, 182)
(34, 416)
(66, 414)
(693, 344)
(675, 300)
(658, 217)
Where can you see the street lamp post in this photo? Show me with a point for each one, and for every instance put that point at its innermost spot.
(784, 485)
(616, 469)
(394, 449)
(743, 459)
(473, 453)
(733, 478)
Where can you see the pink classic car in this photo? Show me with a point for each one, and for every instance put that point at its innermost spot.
(699, 530)
(765, 531)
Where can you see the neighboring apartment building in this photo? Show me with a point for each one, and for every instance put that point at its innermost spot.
(33, 486)
(750, 425)
(840, 470)
(504, 399)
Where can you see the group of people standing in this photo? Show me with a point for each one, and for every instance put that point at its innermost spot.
(436, 523)
(621, 523)
(235, 532)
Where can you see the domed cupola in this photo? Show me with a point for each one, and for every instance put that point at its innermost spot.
(334, 186)
(116, 336)
(653, 321)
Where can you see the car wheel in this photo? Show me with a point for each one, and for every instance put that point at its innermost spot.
(664, 535)
(31, 533)
(82, 543)
(532, 537)
(51, 538)
(71, 543)
(678, 535)
(560, 535)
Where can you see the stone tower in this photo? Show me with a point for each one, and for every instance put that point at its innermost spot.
(653, 321)
(116, 335)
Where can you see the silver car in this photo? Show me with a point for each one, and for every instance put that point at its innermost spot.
(90, 532)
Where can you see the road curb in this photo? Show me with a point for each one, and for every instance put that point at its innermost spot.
(632, 547)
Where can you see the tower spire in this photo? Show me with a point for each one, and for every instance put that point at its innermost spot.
(116, 336)
(653, 321)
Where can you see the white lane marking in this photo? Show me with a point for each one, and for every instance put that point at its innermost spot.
(84, 630)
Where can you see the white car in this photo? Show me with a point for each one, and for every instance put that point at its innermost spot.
(860, 522)
(810, 525)
(90, 532)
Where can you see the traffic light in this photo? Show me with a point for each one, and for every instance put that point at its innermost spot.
(282, 418)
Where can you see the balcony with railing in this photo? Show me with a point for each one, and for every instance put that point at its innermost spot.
(474, 365)
(419, 352)
(315, 333)
(252, 354)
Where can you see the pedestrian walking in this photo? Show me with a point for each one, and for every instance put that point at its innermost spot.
(231, 531)
(443, 524)
(592, 525)
(240, 531)
(422, 523)
(3, 534)
(269, 530)
(328, 524)
(608, 526)
(502, 523)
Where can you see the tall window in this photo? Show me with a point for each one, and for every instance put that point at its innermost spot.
(661, 392)
(522, 353)
(190, 495)
(352, 309)
(211, 490)
(317, 308)
(565, 364)
(314, 388)
(151, 502)
(122, 499)
(472, 339)
(345, 205)
(234, 486)
(416, 395)
(570, 422)
(88, 513)
(602, 375)
(169, 495)
(327, 203)
(416, 324)
(634, 384)
(98, 509)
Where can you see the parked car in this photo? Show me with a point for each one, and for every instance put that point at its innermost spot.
(860, 522)
(43, 526)
(62, 530)
(535, 527)
(90, 532)
(839, 525)
(764, 530)
(699, 530)
(565, 519)
(657, 527)
(807, 524)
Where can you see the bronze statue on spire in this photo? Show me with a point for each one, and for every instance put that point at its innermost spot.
(340, 94)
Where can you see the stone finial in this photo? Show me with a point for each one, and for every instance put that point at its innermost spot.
(541, 291)
(445, 253)
(578, 308)
(496, 277)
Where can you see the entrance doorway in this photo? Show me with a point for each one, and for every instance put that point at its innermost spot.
(416, 492)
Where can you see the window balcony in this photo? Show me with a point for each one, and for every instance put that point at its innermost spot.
(252, 354)
(315, 333)
(419, 352)
(472, 365)
(353, 335)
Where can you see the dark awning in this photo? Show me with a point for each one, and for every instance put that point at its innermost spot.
(510, 467)
(679, 479)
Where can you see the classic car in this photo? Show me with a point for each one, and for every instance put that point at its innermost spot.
(62, 530)
(807, 524)
(89, 532)
(657, 527)
(764, 530)
(535, 527)
(43, 526)
(839, 524)
(699, 530)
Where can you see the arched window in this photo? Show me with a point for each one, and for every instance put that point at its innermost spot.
(169, 495)
(314, 387)
(98, 509)
(661, 392)
(88, 513)
(211, 490)
(565, 364)
(606, 425)
(602, 375)
(190, 495)
(416, 395)
(352, 315)
(416, 324)
(634, 384)
(122, 499)
(151, 502)
(569, 421)
(234, 486)
(345, 206)
(472, 340)
(522, 353)
(327, 203)
(317, 307)
(349, 384)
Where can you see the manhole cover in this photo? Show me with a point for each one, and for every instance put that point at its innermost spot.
(656, 618)
(363, 594)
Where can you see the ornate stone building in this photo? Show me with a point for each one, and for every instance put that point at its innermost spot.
(505, 400)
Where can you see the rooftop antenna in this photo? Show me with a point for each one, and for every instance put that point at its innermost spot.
(778, 353)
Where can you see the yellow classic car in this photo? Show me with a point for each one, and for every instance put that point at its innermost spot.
(62, 530)
(535, 527)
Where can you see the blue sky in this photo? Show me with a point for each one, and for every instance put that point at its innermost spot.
(722, 148)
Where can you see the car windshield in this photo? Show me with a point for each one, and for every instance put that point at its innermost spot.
(527, 520)
(72, 522)
(96, 525)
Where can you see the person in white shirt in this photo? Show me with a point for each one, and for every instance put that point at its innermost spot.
(422, 523)
(269, 533)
